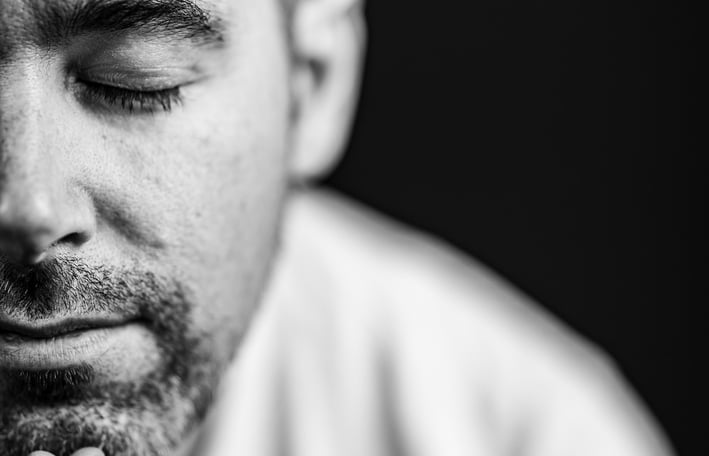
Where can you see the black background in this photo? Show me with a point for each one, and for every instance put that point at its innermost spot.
(551, 140)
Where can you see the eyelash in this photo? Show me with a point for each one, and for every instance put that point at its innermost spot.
(147, 101)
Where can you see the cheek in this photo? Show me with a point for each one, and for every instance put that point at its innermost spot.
(197, 193)
(224, 197)
(231, 177)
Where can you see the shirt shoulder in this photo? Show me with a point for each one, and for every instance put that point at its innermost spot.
(453, 356)
(409, 278)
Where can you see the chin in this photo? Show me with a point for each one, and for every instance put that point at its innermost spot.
(62, 411)
(146, 420)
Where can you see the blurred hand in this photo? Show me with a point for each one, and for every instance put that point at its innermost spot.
(81, 452)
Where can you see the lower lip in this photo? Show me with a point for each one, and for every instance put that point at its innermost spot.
(87, 346)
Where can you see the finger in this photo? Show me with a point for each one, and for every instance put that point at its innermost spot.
(88, 452)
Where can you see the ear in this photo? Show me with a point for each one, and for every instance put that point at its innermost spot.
(328, 40)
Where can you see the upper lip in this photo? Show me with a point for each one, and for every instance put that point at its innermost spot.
(57, 328)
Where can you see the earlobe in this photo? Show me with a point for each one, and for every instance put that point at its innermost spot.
(328, 42)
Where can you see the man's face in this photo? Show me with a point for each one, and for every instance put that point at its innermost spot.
(142, 170)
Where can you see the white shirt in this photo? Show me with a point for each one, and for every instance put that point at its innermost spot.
(375, 340)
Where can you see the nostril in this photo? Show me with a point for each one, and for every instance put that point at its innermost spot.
(29, 253)
(75, 239)
(33, 224)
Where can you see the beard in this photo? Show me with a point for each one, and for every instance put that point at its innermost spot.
(63, 410)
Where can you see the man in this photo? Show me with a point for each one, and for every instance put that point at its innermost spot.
(169, 285)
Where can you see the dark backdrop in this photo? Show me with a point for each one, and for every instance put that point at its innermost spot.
(551, 140)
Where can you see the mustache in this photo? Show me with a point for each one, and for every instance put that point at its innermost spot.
(70, 286)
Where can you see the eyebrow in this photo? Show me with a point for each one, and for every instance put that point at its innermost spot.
(163, 19)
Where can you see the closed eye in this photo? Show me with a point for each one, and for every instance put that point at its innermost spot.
(131, 101)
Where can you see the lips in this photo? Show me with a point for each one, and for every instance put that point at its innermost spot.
(112, 345)
(56, 328)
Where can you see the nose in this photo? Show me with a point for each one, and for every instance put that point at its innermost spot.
(36, 220)
(41, 209)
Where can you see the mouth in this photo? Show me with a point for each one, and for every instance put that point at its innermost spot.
(60, 343)
(54, 329)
